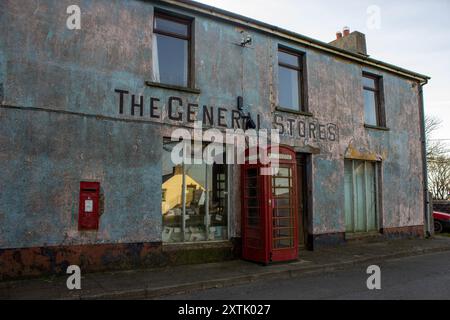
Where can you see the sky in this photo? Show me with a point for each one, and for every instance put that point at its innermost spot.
(412, 34)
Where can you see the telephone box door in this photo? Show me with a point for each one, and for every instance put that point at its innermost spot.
(283, 229)
(254, 224)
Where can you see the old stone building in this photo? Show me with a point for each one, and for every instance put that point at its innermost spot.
(87, 114)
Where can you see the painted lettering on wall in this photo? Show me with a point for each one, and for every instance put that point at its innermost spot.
(305, 128)
(178, 111)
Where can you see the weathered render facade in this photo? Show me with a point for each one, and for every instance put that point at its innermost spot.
(71, 111)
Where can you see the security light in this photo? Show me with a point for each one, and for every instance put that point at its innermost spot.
(246, 40)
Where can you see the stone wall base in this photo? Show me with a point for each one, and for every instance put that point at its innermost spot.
(339, 238)
(404, 232)
(42, 261)
(326, 240)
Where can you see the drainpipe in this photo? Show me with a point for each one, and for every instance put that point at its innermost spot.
(427, 219)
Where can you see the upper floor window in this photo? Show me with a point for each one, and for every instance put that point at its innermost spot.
(290, 80)
(373, 107)
(171, 50)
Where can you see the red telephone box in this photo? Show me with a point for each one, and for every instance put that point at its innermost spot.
(88, 214)
(269, 209)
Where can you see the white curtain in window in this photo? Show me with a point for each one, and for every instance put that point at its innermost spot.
(360, 190)
(360, 196)
(155, 59)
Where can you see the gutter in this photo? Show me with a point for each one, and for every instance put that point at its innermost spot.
(427, 213)
(292, 36)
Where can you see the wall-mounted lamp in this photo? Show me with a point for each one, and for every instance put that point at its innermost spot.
(249, 123)
(246, 39)
(240, 103)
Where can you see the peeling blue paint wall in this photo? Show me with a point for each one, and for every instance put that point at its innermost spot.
(73, 74)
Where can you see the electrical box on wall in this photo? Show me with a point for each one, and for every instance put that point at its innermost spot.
(89, 215)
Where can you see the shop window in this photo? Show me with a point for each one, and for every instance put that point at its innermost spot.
(360, 196)
(196, 199)
(373, 101)
(171, 50)
(290, 80)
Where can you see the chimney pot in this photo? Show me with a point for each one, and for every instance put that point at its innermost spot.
(338, 35)
(346, 31)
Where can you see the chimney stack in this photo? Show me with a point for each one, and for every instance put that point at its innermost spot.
(354, 41)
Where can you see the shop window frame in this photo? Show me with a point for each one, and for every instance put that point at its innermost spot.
(209, 188)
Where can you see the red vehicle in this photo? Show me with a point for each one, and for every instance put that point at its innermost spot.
(441, 221)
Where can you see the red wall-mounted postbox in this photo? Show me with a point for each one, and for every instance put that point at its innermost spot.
(88, 214)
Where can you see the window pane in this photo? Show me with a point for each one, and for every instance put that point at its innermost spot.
(282, 212)
(289, 59)
(172, 57)
(370, 107)
(283, 232)
(369, 82)
(284, 172)
(281, 192)
(282, 202)
(218, 204)
(288, 88)
(195, 202)
(171, 26)
(282, 244)
(282, 223)
(281, 182)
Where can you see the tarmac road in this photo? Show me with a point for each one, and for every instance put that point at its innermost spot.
(417, 277)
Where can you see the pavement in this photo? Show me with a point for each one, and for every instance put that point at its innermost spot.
(420, 277)
(162, 282)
